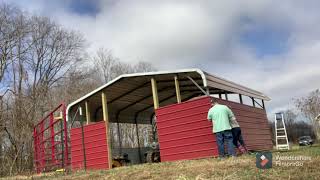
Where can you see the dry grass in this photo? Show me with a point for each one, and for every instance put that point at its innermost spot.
(238, 168)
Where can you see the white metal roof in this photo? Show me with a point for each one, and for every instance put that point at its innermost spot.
(204, 79)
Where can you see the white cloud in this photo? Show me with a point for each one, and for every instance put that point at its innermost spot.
(205, 34)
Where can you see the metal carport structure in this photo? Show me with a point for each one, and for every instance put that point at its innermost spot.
(133, 98)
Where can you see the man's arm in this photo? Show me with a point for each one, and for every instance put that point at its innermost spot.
(230, 114)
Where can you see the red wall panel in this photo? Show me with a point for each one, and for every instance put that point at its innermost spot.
(185, 133)
(254, 125)
(96, 147)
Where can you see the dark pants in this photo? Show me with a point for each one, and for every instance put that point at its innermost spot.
(225, 137)
(237, 137)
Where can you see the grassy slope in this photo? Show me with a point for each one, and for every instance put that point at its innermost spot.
(238, 168)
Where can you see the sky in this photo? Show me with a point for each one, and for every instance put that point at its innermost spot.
(269, 46)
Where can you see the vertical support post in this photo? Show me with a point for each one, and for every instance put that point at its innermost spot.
(155, 93)
(275, 129)
(42, 146)
(263, 106)
(52, 139)
(62, 142)
(88, 114)
(253, 103)
(240, 98)
(176, 82)
(137, 134)
(106, 119)
(83, 142)
(226, 95)
(65, 129)
(220, 97)
(154, 127)
(35, 144)
(119, 134)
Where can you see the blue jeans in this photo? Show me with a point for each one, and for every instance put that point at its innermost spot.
(222, 138)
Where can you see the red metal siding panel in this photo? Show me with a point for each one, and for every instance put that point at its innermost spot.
(96, 147)
(185, 133)
(254, 125)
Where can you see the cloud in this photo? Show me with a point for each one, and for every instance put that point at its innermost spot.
(271, 46)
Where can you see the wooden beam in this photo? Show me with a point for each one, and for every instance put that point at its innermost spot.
(88, 113)
(155, 93)
(106, 119)
(176, 81)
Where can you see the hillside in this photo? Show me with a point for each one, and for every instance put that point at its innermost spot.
(238, 168)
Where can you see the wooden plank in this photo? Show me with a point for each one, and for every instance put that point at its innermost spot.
(176, 81)
(88, 114)
(106, 119)
(155, 93)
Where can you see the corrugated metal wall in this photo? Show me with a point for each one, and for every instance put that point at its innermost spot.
(185, 133)
(96, 147)
(254, 125)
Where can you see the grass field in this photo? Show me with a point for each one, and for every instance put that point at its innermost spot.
(232, 168)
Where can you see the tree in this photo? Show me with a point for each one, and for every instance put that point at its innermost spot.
(310, 107)
(8, 35)
(104, 63)
(143, 66)
(36, 54)
(109, 67)
(290, 120)
(41, 64)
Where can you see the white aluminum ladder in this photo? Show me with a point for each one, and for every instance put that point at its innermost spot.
(282, 142)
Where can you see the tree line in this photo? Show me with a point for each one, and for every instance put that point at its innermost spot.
(41, 65)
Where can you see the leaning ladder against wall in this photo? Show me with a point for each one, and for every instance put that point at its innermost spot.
(282, 142)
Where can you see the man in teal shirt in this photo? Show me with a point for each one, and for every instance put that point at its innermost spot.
(220, 116)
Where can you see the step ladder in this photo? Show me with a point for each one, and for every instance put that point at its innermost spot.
(282, 142)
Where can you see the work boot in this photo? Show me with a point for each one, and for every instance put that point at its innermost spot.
(242, 149)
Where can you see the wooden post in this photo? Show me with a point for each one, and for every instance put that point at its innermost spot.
(176, 81)
(88, 114)
(106, 119)
(155, 93)
(240, 97)
(220, 96)
(263, 106)
(226, 96)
